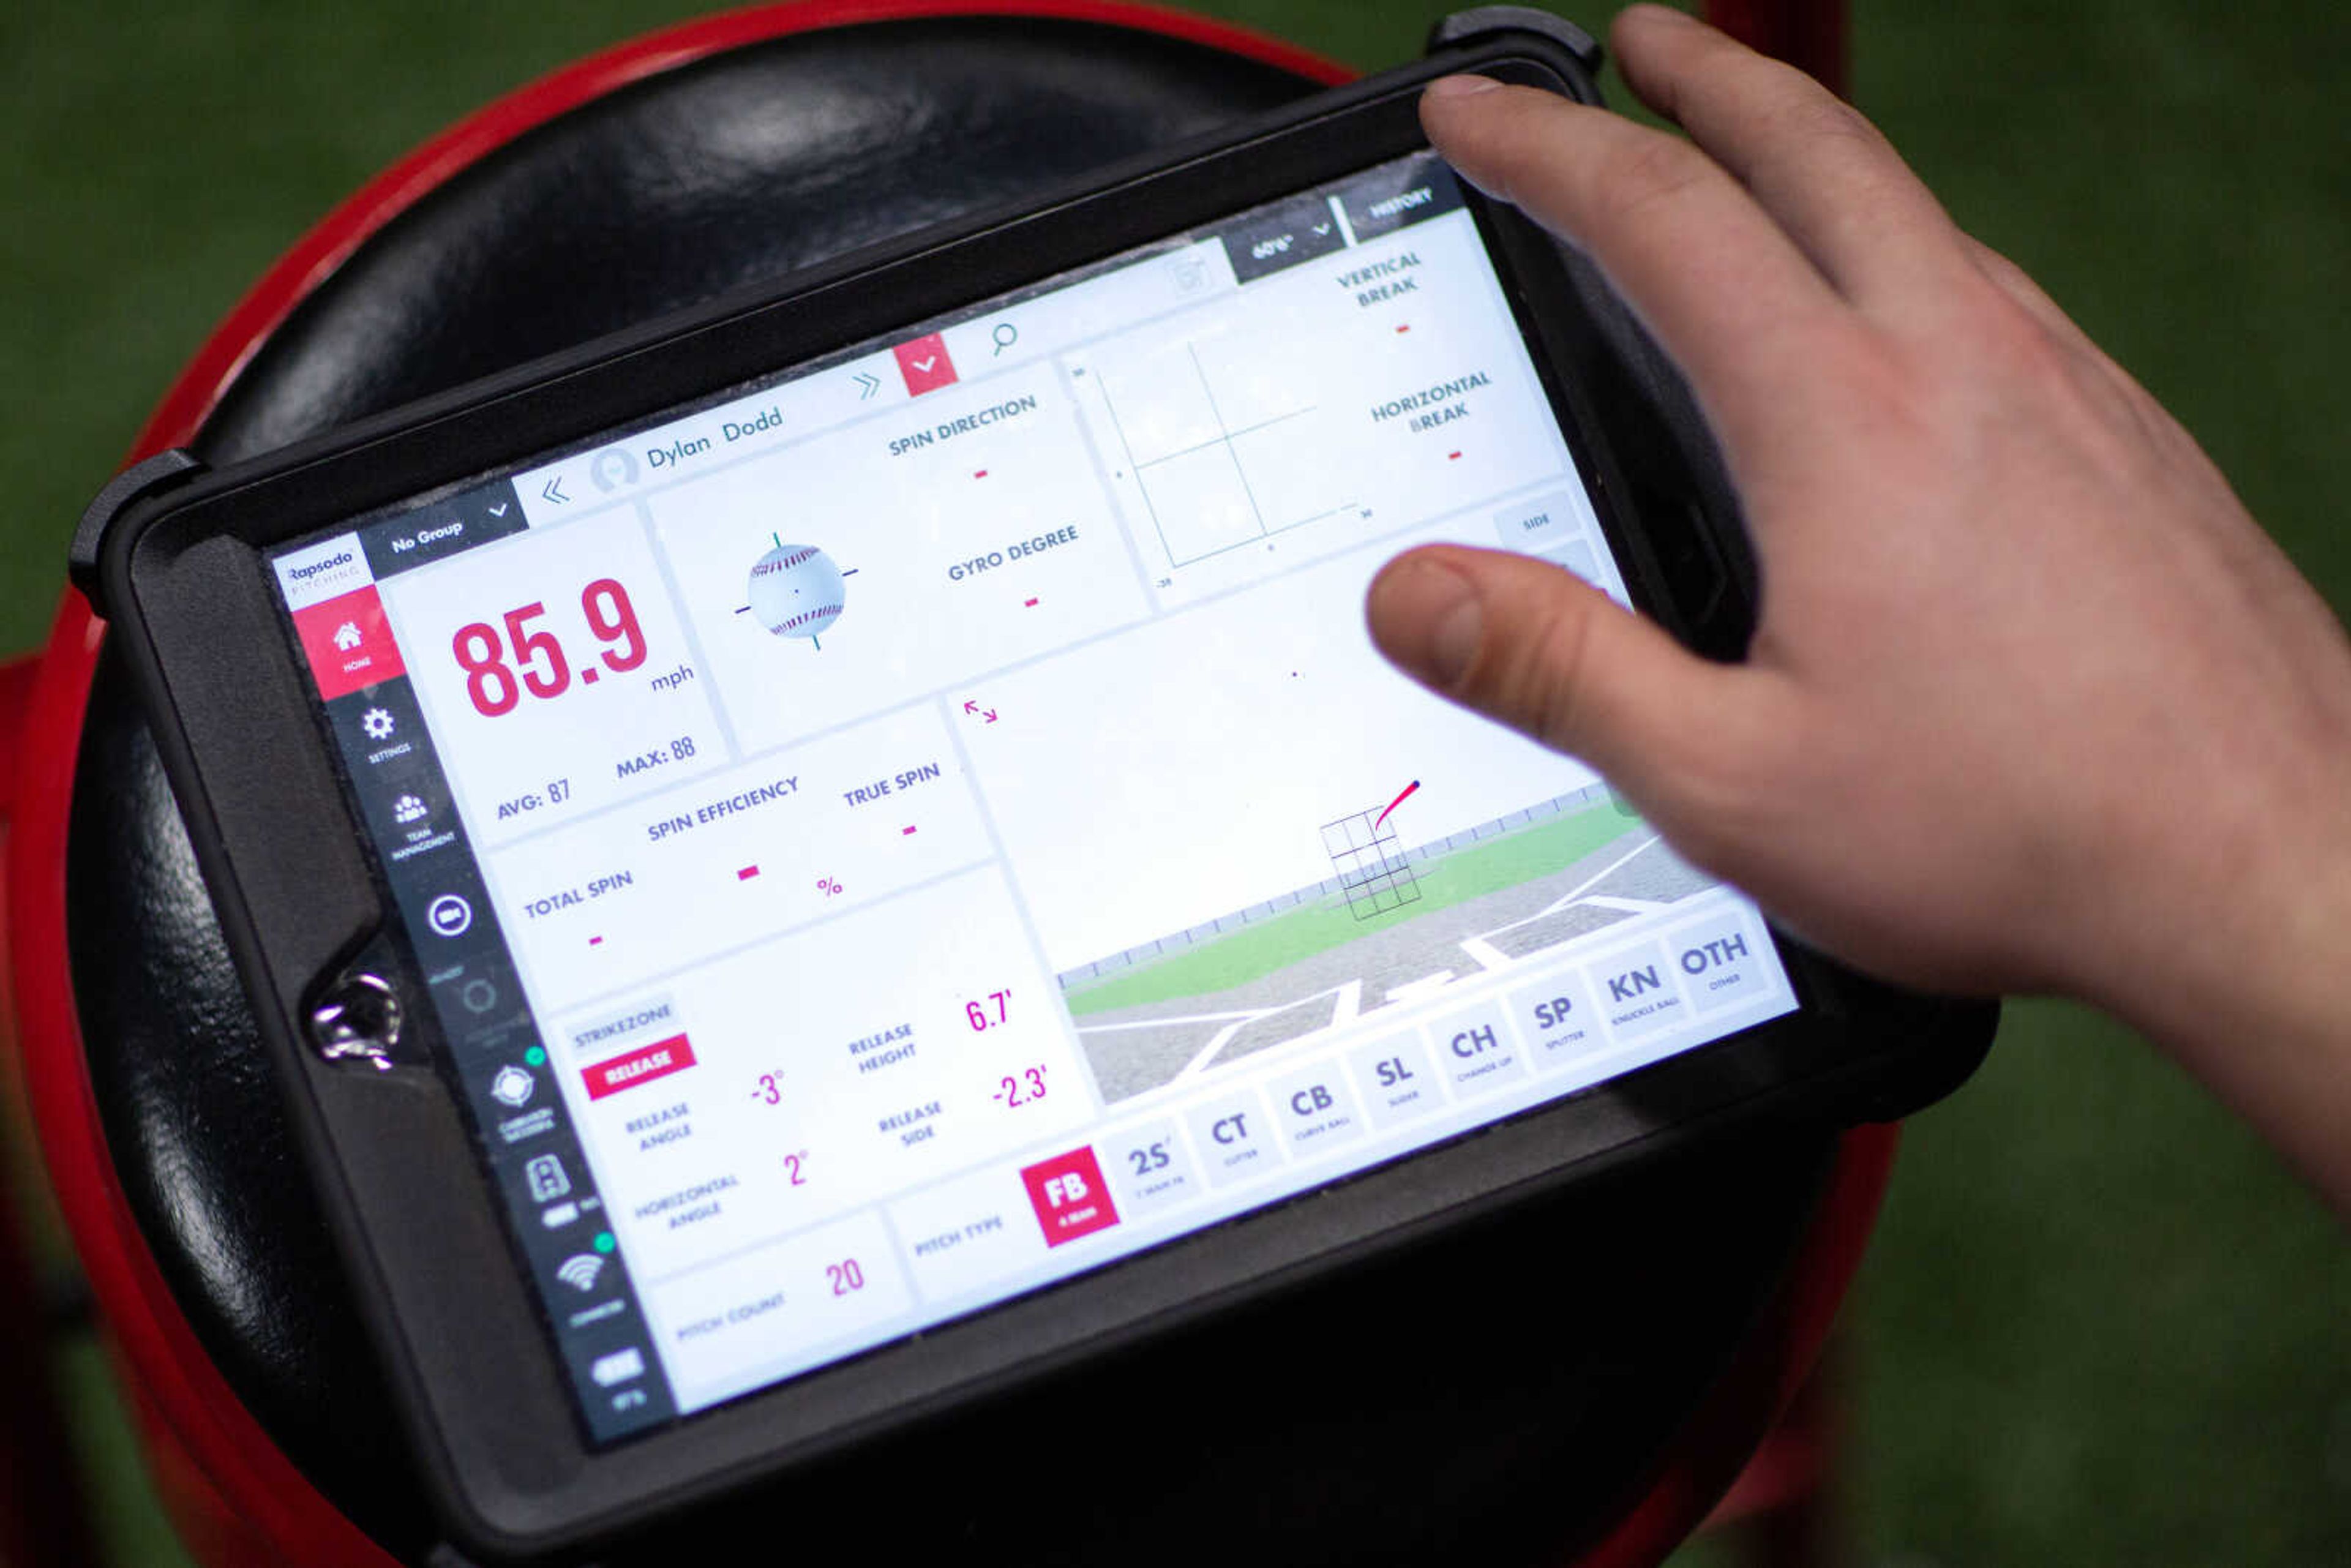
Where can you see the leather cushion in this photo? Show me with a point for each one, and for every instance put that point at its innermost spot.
(1508, 1388)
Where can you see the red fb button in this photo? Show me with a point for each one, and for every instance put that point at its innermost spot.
(1069, 1196)
(642, 1065)
(347, 642)
(924, 364)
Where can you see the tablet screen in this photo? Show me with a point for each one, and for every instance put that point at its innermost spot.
(932, 823)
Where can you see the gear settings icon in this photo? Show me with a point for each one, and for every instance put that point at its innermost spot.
(377, 723)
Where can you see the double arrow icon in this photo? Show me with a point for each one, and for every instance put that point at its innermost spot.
(985, 716)
(867, 385)
(553, 490)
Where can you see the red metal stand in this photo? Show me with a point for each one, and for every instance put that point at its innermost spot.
(1738, 1441)
(42, 1518)
(1810, 35)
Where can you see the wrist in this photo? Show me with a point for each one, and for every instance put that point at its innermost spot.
(2235, 959)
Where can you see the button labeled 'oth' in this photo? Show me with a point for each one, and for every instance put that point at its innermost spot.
(1722, 961)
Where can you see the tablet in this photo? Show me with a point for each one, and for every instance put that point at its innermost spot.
(842, 852)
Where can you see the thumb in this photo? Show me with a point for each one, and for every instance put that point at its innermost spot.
(1529, 643)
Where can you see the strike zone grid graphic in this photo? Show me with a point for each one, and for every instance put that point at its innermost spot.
(1368, 861)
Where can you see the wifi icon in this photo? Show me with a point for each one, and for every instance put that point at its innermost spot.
(579, 1271)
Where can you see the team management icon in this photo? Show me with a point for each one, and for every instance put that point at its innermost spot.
(796, 592)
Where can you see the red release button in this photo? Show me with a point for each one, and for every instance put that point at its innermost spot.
(642, 1065)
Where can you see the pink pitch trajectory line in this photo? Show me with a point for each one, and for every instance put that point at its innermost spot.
(1401, 797)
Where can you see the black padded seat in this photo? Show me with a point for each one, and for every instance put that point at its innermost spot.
(1494, 1398)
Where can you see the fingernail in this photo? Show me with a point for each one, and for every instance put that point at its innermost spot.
(1426, 617)
(1461, 87)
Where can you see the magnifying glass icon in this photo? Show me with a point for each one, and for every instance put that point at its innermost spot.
(1006, 335)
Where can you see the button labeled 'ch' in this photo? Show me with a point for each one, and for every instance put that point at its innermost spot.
(1477, 1048)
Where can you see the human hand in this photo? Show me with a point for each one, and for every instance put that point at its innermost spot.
(2032, 703)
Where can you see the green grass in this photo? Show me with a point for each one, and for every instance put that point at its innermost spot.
(2098, 1325)
(1259, 949)
(128, 1525)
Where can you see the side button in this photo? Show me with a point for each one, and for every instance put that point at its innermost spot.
(1463, 29)
(356, 1019)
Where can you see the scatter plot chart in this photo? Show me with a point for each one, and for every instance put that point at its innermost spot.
(1218, 434)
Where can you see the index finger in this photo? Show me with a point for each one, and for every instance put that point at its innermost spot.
(1719, 283)
(1812, 161)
